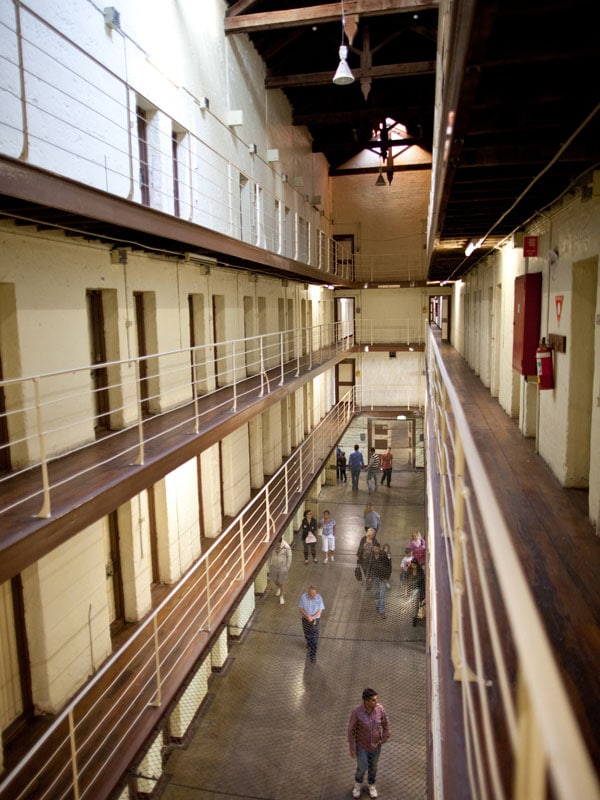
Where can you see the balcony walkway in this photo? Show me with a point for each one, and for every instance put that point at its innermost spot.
(557, 546)
(87, 484)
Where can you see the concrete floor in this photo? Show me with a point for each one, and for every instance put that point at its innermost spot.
(274, 724)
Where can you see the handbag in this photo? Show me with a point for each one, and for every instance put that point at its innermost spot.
(358, 572)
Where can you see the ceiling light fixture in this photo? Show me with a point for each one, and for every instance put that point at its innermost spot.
(380, 179)
(343, 74)
(472, 246)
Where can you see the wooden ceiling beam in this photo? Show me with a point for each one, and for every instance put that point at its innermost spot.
(236, 22)
(409, 69)
(240, 7)
(336, 173)
(371, 144)
(329, 118)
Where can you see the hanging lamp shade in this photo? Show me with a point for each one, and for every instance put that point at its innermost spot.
(380, 180)
(343, 74)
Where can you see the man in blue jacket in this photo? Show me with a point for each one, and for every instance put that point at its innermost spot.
(356, 464)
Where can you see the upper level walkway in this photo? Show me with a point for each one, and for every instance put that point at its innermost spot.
(557, 552)
(42, 505)
(156, 412)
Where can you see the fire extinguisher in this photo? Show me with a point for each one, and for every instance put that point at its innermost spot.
(543, 363)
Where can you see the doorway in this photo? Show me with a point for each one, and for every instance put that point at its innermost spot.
(344, 318)
(344, 256)
(98, 359)
(582, 367)
(345, 378)
(114, 582)
(18, 706)
(401, 435)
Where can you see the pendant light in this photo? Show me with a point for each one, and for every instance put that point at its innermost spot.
(343, 74)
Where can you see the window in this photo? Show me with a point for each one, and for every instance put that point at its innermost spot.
(142, 130)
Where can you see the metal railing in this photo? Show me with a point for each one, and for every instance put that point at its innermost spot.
(404, 267)
(55, 414)
(58, 413)
(511, 688)
(409, 331)
(86, 737)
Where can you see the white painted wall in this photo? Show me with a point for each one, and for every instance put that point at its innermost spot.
(177, 514)
(83, 82)
(135, 556)
(388, 222)
(212, 513)
(572, 229)
(67, 620)
(235, 470)
(391, 381)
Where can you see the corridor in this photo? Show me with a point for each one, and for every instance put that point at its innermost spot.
(273, 725)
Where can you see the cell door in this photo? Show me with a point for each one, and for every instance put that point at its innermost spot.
(140, 326)
(219, 332)
(114, 582)
(17, 707)
(153, 531)
(200, 366)
(251, 343)
(98, 359)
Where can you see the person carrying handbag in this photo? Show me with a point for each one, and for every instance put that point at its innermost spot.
(308, 531)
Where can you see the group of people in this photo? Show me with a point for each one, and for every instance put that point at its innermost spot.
(281, 555)
(308, 532)
(377, 464)
(373, 559)
(375, 563)
(368, 727)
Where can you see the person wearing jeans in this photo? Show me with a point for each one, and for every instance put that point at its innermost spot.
(386, 466)
(373, 470)
(356, 464)
(368, 729)
(311, 607)
(378, 576)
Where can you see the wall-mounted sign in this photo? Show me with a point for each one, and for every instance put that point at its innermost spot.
(530, 246)
(558, 303)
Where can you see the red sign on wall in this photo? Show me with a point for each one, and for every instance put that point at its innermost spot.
(558, 302)
(530, 246)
